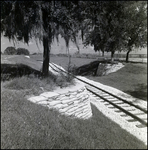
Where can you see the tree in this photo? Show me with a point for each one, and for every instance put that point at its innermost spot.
(136, 25)
(10, 51)
(116, 26)
(21, 20)
(20, 51)
(70, 32)
(106, 28)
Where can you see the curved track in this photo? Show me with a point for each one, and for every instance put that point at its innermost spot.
(119, 104)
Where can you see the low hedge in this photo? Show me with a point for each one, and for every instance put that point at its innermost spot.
(22, 51)
(10, 51)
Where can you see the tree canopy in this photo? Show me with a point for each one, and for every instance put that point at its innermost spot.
(22, 20)
(107, 25)
(135, 28)
(117, 26)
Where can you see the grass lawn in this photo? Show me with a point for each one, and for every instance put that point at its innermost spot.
(131, 79)
(63, 61)
(25, 125)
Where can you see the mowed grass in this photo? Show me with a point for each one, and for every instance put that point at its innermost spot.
(131, 79)
(26, 125)
(63, 61)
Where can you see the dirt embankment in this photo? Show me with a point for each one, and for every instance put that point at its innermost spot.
(12, 66)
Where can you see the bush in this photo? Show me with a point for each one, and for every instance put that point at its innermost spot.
(10, 51)
(34, 54)
(22, 51)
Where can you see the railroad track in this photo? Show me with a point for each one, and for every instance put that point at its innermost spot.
(125, 108)
(120, 105)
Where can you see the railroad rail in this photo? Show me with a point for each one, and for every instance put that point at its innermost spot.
(114, 102)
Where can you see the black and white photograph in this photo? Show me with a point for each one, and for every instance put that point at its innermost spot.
(73, 74)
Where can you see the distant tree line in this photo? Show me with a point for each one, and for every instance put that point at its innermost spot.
(19, 51)
(109, 26)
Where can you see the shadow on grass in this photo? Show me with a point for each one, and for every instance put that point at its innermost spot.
(9, 71)
(37, 127)
(139, 92)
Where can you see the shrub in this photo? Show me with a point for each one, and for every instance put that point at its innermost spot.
(34, 54)
(22, 51)
(10, 51)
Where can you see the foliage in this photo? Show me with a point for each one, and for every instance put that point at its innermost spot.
(116, 26)
(107, 25)
(10, 51)
(39, 19)
(107, 28)
(135, 28)
(23, 51)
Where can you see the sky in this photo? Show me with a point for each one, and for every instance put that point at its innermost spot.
(56, 48)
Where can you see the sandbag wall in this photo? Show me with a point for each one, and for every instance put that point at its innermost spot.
(72, 103)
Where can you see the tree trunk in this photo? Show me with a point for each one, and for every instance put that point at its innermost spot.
(67, 50)
(76, 40)
(102, 53)
(69, 59)
(112, 56)
(45, 67)
(46, 41)
(127, 55)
